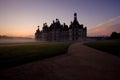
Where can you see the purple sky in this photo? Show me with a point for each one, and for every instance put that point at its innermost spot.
(21, 17)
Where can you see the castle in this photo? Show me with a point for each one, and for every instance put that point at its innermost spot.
(58, 32)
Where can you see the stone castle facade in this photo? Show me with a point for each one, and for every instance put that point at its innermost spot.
(58, 32)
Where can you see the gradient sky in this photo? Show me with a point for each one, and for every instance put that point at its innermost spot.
(21, 17)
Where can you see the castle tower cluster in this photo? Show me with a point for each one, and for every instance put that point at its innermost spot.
(58, 32)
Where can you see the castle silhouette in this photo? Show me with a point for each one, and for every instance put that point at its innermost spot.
(58, 32)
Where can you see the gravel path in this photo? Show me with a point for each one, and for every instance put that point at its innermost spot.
(81, 63)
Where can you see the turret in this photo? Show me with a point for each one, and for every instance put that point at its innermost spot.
(38, 31)
(38, 27)
(38, 34)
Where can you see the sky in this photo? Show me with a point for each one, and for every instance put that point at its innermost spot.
(106, 28)
(21, 17)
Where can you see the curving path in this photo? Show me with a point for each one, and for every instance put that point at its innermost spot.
(81, 63)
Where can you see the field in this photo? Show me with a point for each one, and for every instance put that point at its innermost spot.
(13, 54)
(109, 46)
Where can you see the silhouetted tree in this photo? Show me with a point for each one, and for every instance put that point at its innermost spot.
(115, 35)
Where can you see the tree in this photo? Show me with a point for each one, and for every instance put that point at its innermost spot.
(115, 35)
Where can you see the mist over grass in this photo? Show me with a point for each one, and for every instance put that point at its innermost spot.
(16, 40)
(17, 54)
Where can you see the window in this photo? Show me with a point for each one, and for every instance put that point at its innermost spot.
(73, 38)
(76, 38)
(73, 29)
(77, 34)
(73, 33)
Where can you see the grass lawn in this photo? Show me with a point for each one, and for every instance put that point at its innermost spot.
(110, 46)
(16, 54)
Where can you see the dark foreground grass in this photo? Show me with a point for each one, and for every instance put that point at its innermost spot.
(17, 54)
(110, 46)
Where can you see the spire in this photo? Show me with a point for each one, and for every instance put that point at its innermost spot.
(75, 16)
(38, 27)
